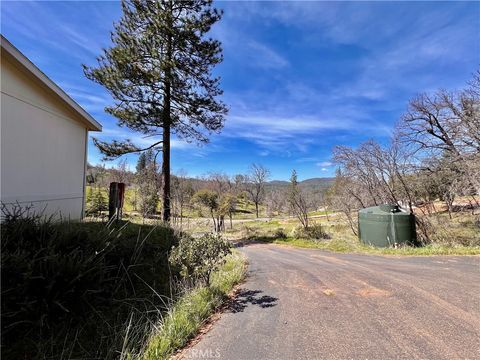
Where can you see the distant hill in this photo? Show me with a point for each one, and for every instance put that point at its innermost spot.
(278, 182)
(325, 182)
(313, 183)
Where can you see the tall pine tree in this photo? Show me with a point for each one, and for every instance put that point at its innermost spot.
(159, 72)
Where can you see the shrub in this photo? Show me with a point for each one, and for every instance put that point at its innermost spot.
(96, 202)
(196, 258)
(249, 233)
(70, 287)
(280, 234)
(441, 230)
(315, 231)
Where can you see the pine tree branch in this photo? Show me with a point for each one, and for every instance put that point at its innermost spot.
(115, 149)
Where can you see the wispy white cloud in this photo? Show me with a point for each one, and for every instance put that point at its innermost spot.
(298, 77)
(277, 133)
(90, 101)
(306, 159)
(55, 30)
(281, 133)
(80, 40)
(324, 164)
(395, 64)
(265, 57)
(287, 126)
(119, 133)
(248, 49)
(401, 41)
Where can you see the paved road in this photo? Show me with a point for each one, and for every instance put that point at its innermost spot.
(311, 304)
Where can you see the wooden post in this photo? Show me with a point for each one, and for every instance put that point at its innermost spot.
(112, 200)
(115, 201)
(121, 198)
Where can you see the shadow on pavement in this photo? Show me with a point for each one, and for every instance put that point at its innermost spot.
(253, 241)
(246, 297)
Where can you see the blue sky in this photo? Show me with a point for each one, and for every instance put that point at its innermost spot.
(299, 77)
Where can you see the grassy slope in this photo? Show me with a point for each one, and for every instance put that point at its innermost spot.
(186, 317)
(461, 228)
(79, 283)
(129, 197)
(459, 236)
(346, 246)
(245, 209)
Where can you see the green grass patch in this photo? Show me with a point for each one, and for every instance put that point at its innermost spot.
(189, 313)
(346, 246)
(457, 236)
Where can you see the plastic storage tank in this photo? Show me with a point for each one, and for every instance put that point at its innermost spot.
(386, 225)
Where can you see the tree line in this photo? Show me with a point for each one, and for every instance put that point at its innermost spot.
(215, 195)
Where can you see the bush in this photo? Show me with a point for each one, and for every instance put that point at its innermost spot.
(96, 202)
(147, 200)
(197, 257)
(441, 230)
(250, 233)
(70, 287)
(315, 231)
(280, 234)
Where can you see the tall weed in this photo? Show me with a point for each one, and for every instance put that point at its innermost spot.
(70, 289)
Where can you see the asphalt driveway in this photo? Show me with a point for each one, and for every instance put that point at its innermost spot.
(312, 304)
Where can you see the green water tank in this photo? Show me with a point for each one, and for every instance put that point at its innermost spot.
(386, 226)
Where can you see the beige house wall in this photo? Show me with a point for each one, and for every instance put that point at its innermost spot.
(43, 147)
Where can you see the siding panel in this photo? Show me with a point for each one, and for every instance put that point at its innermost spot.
(42, 150)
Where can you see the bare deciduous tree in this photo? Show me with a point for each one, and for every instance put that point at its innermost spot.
(341, 197)
(255, 185)
(275, 202)
(210, 200)
(297, 201)
(447, 122)
(121, 173)
(182, 192)
(228, 206)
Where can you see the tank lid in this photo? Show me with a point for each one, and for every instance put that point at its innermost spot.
(389, 208)
(383, 209)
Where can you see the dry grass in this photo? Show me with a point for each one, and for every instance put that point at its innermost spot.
(190, 312)
(459, 236)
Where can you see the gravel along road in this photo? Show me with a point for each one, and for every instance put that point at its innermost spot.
(312, 304)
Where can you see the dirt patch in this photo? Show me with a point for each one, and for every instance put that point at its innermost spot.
(373, 292)
(332, 259)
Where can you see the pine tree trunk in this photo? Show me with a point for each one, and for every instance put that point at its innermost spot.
(166, 170)
(166, 137)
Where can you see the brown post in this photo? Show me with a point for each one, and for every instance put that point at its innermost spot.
(112, 200)
(115, 200)
(121, 200)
